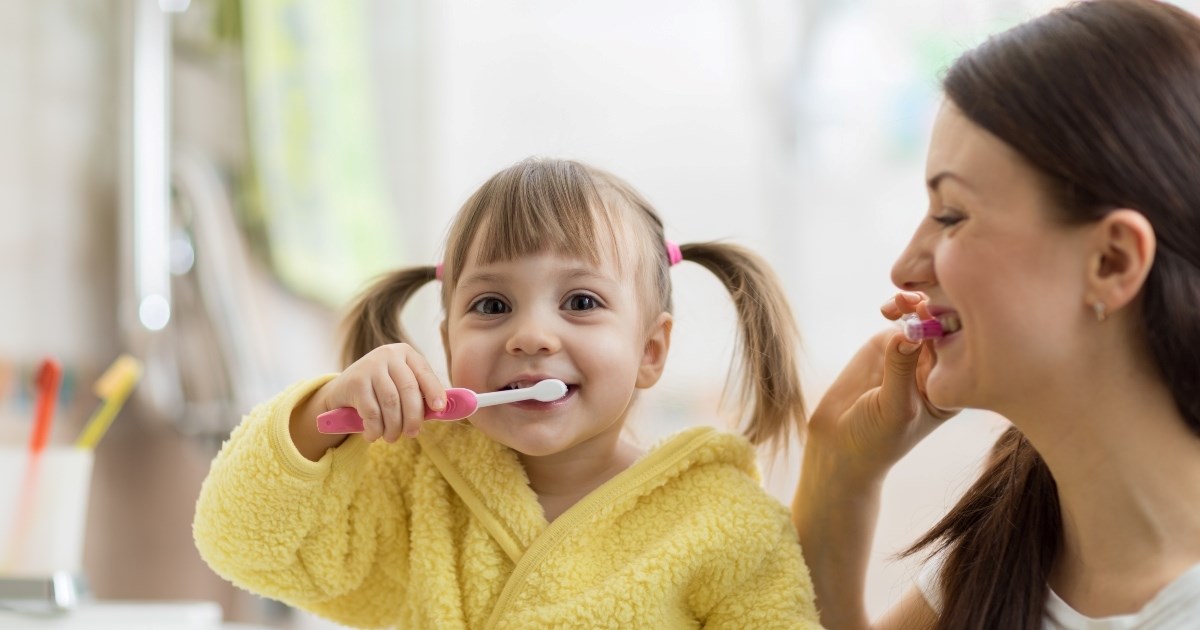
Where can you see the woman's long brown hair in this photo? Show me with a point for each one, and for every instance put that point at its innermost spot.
(1102, 97)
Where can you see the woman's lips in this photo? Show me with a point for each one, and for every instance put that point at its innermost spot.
(947, 319)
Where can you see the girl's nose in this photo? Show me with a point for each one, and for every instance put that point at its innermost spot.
(533, 333)
(913, 270)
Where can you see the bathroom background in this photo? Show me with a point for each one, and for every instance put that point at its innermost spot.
(204, 189)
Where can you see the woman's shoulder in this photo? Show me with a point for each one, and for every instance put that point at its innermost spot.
(1175, 607)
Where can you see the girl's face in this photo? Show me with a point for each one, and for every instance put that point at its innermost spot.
(990, 255)
(512, 324)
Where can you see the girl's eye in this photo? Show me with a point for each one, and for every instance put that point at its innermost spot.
(582, 302)
(489, 306)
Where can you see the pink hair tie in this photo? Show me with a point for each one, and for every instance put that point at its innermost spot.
(437, 271)
(673, 253)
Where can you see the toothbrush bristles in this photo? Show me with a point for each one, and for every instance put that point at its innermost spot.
(550, 389)
(918, 330)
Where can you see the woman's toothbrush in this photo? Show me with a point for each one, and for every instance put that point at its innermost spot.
(460, 403)
(916, 329)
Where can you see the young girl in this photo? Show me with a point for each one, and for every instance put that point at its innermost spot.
(529, 514)
(1061, 252)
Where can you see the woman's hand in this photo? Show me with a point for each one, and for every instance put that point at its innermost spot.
(388, 387)
(877, 411)
(872, 415)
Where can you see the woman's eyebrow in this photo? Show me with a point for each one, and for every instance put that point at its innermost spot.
(936, 180)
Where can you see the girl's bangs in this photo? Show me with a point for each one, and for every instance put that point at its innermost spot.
(534, 208)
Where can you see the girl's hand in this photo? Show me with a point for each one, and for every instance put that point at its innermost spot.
(877, 411)
(388, 387)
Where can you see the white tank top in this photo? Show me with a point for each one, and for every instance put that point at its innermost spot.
(1175, 607)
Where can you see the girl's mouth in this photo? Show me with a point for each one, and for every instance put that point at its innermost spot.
(537, 405)
(539, 383)
(524, 384)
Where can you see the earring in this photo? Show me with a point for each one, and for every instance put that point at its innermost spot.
(1100, 310)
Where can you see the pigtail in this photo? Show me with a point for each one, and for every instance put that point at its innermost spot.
(374, 320)
(999, 542)
(767, 336)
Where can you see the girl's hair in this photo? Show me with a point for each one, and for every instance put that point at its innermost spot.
(565, 207)
(1103, 98)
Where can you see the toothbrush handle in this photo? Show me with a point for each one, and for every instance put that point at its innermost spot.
(460, 403)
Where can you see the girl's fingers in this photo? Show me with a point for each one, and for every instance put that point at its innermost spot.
(390, 407)
(365, 403)
(432, 389)
(389, 387)
(412, 405)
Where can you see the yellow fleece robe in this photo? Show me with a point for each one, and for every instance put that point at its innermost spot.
(445, 532)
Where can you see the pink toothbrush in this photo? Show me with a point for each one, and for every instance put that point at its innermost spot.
(916, 329)
(460, 403)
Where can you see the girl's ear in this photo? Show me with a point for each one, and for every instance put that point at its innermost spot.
(445, 344)
(654, 354)
(1121, 259)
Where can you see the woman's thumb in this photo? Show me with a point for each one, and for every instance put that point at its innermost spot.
(898, 397)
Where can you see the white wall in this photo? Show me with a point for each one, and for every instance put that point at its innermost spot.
(739, 121)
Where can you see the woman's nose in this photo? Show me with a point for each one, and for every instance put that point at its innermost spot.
(913, 270)
(533, 333)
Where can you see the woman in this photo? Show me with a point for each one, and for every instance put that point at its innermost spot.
(1061, 253)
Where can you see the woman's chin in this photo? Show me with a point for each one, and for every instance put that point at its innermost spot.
(943, 393)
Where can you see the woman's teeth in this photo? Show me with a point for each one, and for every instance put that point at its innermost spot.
(950, 323)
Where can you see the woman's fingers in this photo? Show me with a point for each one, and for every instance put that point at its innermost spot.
(863, 373)
(876, 409)
(898, 397)
(903, 303)
(928, 361)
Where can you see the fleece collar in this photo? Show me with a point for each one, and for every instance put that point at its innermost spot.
(489, 479)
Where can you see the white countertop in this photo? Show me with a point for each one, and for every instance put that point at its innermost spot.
(126, 615)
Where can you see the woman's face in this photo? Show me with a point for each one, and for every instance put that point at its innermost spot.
(999, 267)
